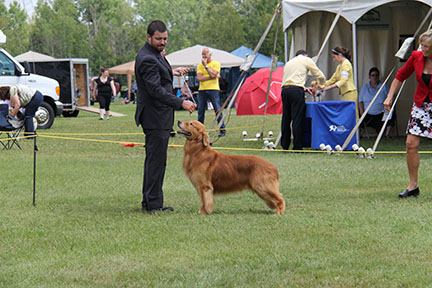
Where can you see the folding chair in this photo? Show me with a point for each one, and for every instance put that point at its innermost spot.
(10, 129)
(365, 126)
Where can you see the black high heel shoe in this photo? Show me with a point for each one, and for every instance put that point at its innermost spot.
(415, 192)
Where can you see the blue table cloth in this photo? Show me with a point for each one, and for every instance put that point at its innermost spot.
(329, 122)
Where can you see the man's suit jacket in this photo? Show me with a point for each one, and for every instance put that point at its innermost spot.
(155, 102)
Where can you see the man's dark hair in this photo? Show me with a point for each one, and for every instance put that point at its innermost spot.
(156, 25)
(374, 69)
(4, 92)
(301, 52)
(344, 51)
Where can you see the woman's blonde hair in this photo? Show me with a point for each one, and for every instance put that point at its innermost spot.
(426, 36)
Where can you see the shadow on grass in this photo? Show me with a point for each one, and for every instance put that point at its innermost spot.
(192, 211)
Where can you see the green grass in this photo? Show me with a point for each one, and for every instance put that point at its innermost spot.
(344, 225)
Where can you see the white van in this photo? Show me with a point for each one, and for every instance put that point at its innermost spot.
(12, 72)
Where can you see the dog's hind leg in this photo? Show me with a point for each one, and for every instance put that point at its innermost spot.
(280, 208)
(271, 196)
(202, 206)
(207, 199)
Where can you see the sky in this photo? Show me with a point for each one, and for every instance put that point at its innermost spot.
(27, 4)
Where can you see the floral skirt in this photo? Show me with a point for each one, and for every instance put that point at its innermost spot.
(420, 121)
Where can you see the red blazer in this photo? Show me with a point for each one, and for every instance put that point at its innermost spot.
(416, 63)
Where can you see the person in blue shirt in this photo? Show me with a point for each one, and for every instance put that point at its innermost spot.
(374, 117)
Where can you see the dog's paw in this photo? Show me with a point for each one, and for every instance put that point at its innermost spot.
(202, 211)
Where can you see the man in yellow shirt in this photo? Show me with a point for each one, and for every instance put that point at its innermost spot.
(208, 73)
(293, 97)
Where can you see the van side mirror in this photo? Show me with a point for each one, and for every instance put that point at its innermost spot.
(26, 66)
(18, 71)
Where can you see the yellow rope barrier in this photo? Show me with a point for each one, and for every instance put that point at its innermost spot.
(132, 144)
(90, 134)
(136, 133)
(93, 140)
(16, 138)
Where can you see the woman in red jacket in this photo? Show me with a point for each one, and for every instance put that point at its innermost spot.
(420, 121)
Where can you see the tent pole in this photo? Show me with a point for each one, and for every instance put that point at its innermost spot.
(35, 149)
(273, 67)
(231, 98)
(402, 86)
(291, 51)
(286, 45)
(387, 119)
(129, 83)
(355, 68)
(277, 12)
(356, 127)
(333, 25)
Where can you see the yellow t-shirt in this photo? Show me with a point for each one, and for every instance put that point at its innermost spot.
(212, 84)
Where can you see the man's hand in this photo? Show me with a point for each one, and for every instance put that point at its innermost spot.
(204, 61)
(189, 106)
(180, 71)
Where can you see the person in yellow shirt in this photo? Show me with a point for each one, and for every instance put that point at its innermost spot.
(343, 78)
(208, 73)
(293, 97)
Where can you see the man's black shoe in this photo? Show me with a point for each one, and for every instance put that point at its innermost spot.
(415, 192)
(222, 133)
(158, 210)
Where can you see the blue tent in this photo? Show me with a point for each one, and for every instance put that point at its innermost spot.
(261, 61)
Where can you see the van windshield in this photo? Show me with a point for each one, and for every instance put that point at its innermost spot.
(7, 67)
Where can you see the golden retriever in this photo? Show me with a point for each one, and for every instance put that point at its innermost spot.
(212, 172)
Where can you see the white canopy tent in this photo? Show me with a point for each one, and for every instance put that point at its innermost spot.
(190, 57)
(372, 29)
(32, 56)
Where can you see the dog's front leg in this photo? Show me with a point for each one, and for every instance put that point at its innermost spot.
(207, 199)
(202, 205)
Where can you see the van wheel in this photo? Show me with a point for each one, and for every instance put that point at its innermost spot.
(45, 116)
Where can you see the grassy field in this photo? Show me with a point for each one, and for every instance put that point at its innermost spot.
(344, 225)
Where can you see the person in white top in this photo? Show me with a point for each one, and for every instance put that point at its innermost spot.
(22, 96)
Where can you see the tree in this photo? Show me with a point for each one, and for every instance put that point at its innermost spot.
(110, 31)
(221, 27)
(13, 23)
(57, 30)
(182, 17)
(256, 15)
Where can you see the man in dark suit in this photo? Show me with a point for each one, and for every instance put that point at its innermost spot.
(155, 111)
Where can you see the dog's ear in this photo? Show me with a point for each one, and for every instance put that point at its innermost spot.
(205, 139)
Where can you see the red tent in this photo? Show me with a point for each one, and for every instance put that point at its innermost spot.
(252, 95)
